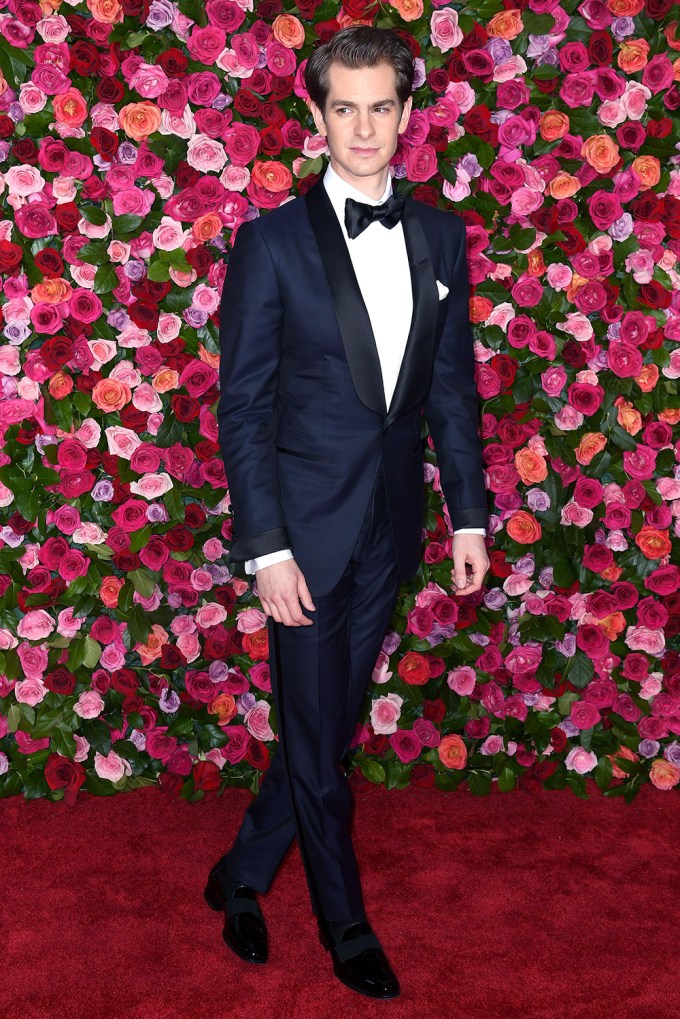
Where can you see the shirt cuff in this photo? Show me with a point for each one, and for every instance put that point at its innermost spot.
(253, 565)
(470, 530)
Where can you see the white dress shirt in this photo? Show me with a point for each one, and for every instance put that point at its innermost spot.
(376, 254)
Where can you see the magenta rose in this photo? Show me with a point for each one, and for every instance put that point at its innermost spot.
(406, 745)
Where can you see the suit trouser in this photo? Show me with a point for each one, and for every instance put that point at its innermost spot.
(320, 675)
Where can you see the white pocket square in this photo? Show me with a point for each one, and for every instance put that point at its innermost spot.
(443, 291)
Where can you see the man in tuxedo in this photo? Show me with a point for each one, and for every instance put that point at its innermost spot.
(344, 316)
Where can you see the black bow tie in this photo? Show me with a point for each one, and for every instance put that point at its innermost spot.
(358, 215)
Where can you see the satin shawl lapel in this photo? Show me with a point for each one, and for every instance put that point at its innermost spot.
(353, 320)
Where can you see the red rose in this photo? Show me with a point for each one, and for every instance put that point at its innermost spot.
(62, 773)
(105, 142)
(49, 262)
(257, 754)
(173, 61)
(170, 784)
(25, 150)
(206, 776)
(61, 681)
(84, 58)
(10, 257)
(125, 681)
(67, 216)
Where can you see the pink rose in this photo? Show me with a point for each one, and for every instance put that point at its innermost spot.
(36, 624)
(260, 676)
(110, 766)
(462, 680)
(581, 761)
(385, 712)
(641, 638)
(584, 715)
(211, 614)
(30, 691)
(152, 486)
(250, 620)
(257, 721)
(444, 31)
(406, 745)
(159, 745)
(89, 704)
(237, 747)
(421, 162)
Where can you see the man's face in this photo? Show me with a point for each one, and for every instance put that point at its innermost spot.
(362, 122)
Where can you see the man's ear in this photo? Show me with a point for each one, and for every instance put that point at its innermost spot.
(318, 117)
(405, 115)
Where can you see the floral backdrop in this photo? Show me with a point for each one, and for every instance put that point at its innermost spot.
(135, 137)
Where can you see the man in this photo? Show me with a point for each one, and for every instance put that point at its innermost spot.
(337, 330)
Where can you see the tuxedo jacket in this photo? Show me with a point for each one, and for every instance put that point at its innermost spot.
(303, 424)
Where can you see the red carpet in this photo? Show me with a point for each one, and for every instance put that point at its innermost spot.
(514, 906)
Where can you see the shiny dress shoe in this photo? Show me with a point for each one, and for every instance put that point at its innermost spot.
(244, 930)
(359, 961)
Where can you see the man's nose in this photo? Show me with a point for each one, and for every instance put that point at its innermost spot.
(364, 124)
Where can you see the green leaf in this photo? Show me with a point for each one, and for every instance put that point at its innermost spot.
(602, 772)
(99, 786)
(46, 721)
(93, 214)
(97, 734)
(13, 64)
(139, 626)
(92, 654)
(479, 783)
(506, 780)
(310, 166)
(94, 253)
(127, 223)
(372, 770)
(62, 740)
(14, 717)
(158, 272)
(578, 670)
(105, 279)
(142, 581)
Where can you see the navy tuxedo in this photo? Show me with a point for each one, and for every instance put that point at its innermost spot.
(316, 462)
(303, 424)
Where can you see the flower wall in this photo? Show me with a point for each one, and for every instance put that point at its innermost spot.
(135, 137)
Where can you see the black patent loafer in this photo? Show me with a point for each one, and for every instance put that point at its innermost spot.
(359, 961)
(245, 931)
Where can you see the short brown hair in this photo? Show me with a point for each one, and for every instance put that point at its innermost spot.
(360, 46)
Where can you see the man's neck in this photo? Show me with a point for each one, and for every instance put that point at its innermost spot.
(373, 187)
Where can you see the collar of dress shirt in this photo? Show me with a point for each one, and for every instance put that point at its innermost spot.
(338, 190)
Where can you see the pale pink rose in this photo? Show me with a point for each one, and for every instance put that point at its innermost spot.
(35, 625)
(89, 534)
(567, 419)
(64, 189)
(611, 113)
(169, 235)
(202, 580)
(150, 80)
(118, 251)
(132, 336)
(9, 360)
(122, 441)
(4, 763)
(145, 398)
(581, 761)
(315, 145)
(213, 549)
(168, 327)
(89, 704)
(444, 31)
(385, 713)
(256, 721)
(102, 351)
(206, 154)
(642, 638)
(27, 389)
(634, 100)
(205, 298)
(126, 373)
(110, 766)
(215, 755)
(7, 640)
(183, 279)
(89, 433)
(462, 680)
(668, 488)
(381, 673)
(250, 620)
(516, 584)
(572, 513)
(18, 309)
(211, 614)
(577, 325)
(54, 28)
(24, 180)
(180, 125)
(92, 231)
(189, 645)
(33, 659)
(30, 691)
(31, 98)
(164, 186)
(672, 370)
(152, 486)
(492, 745)
(83, 275)
(650, 687)
(82, 748)
(67, 625)
(235, 178)
(6, 496)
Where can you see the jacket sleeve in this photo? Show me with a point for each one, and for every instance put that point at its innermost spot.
(452, 404)
(251, 322)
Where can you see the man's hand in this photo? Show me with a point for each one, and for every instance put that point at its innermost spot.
(469, 551)
(281, 588)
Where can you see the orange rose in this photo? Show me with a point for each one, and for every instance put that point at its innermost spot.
(111, 394)
(628, 417)
(672, 33)
(453, 752)
(480, 308)
(625, 8)
(108, 11)
(648, 377)
(628, 755)
(601, 152)
(109, 590)
(150, 651)
(70, 108)
(224, 706)
(272, 175)
(553, 124)
(208, 357)
(613, 624)
(664, 774)
(414, 669)
(505, 24)
(564, 185)
(670, 415)
(523, 527)
(535, 263)
(653, 544)
(52, 291)
(60, 385)
(633, 55)
(410, 10)
(530, 466)
(289, 31)
(139, 120)
(648, 169)
(589, 446)
(165, 379)
(206, 227)
(256, 644)
(612, 572)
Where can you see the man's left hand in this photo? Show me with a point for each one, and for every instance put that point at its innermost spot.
(470, 563)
